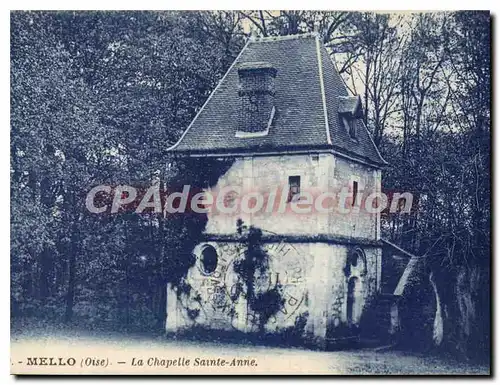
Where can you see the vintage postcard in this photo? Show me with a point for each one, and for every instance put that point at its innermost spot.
(250, 192)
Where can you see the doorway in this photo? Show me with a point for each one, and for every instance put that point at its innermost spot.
(353, 301)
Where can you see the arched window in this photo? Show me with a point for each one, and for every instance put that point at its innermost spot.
(209, 259)
(356, 263)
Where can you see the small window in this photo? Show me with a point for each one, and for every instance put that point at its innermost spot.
(352, 129)
(354, 192)
(350, 125)
(209, 259)
(294, 188)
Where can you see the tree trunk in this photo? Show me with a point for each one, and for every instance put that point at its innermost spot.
(73, 250)
(45, 272)
(466, 306)
(70, 295)
(437, 333)
(162, 308)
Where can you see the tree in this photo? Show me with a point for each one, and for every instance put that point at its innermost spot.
(96, 99)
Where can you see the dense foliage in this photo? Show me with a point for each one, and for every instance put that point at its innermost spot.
(96, 99)
(253, 269)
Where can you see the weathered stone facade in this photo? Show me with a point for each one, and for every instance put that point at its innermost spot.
(318, 173)
(315, 275)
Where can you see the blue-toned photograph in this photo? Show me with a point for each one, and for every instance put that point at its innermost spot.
(250, 192)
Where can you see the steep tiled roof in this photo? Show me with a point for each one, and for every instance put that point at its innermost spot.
(307, 106)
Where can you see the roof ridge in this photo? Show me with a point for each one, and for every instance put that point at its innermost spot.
(322, 88)
(330, 57)
(400, 249)
(373, 142)
(263, 39)
(384, 162)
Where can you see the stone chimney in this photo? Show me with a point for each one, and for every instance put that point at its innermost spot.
(256, 91)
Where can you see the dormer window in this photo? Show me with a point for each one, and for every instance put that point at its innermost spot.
(352, 129)
(350, 110)
(350, 126)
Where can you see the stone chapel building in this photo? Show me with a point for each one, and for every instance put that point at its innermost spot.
(283, 115)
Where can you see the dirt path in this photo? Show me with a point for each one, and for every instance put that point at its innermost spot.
(108, 353)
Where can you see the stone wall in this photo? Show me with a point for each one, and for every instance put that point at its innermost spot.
(313, 278)
(318, 173)
(358, 222)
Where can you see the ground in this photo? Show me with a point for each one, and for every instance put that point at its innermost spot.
(105, 352)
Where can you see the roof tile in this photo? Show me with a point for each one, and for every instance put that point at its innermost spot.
(299, 122)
